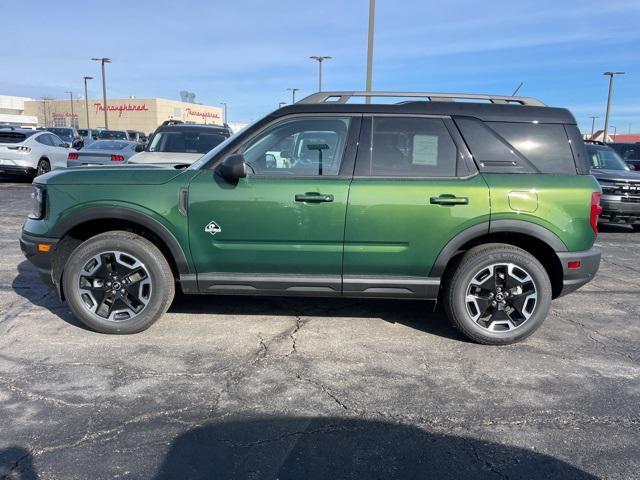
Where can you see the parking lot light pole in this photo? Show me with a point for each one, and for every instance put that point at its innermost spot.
(593, 123)
(606, 116)
(72, 114)
(86, 99)
(104, 60)
(224, 104)
(372, 16)
(293, 94)
(320, 59)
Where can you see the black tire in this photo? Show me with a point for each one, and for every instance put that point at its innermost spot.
(158, 290)
(636, 227)
(492, 259)
(43, 167)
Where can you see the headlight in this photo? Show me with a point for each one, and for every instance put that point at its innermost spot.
(608, 187)
(38, 202)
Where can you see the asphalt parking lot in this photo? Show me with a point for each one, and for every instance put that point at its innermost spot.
(233, 387)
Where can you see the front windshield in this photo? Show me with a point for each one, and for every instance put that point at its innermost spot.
(605, 158)
(193, 141)
(107, 145)
(113, 135)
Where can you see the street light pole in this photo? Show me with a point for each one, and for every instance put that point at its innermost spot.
(372, 16)
(72, 115)
(593, 123)
(293, 94)
(281, 104)
(225, 112)
(86, 99)
(606, 116)
(320, 59)
(104, 60)
(615, 132)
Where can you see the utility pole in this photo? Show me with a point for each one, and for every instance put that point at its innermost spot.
(86, 99)
(293, 94)
(372, 17)
(320, 59)
(593, 123)
(104, 60)
(72, 114)
(606, 116)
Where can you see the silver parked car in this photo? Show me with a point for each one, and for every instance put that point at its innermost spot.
(104, 152)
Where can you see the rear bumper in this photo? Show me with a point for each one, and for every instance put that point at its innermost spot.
(573, 279)
(42, 261)
(16, 170)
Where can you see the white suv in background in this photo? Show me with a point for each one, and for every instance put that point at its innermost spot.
(31, 152)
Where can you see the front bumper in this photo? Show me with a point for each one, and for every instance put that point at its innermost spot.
(620, 208)
(575, 278)
(42, 261)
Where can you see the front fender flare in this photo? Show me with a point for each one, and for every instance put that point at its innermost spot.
(123, 213)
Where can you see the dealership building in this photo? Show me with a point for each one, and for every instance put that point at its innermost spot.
(142, 114)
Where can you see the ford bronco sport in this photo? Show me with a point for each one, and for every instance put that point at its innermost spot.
(485, 204)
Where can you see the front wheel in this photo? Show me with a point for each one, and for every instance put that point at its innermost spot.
(118, 282)
(499, 294)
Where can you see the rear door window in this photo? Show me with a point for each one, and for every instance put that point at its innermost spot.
(412, 147)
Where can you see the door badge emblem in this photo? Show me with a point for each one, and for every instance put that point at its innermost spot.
(212, 228)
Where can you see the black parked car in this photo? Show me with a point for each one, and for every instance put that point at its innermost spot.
(630, 153)
(69, 135)
(620, 185)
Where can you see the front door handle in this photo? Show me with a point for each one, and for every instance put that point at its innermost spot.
(313, 197)
(449, 199)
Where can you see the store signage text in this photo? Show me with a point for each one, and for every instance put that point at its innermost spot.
(202, 114)
(121, 108)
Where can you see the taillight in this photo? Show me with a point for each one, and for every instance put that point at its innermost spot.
(72, 156)
(21, 148)
(596, 210)
(637, 166)
(117, 158)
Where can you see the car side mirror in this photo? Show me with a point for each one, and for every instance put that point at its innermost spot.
(139, 148)
(233, 167)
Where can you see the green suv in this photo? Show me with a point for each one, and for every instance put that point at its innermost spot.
(485, 204)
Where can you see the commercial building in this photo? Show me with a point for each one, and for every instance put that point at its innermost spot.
(142, 114)
(12, 112)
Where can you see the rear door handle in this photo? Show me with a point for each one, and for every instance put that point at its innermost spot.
(449, 199)
(313, 197)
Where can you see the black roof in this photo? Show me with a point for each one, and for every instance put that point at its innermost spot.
(489, 112)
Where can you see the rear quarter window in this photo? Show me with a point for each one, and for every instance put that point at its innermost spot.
(513, 147)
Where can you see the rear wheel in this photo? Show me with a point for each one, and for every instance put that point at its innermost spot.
(499, 294)
(43, 167)
(118, 282)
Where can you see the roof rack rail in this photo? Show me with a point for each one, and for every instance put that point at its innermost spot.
(344, 97)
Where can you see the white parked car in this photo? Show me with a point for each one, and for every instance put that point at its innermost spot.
(31, 152)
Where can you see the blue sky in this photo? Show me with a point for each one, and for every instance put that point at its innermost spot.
(247, 52)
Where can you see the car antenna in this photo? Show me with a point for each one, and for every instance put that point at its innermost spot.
(517, 89)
